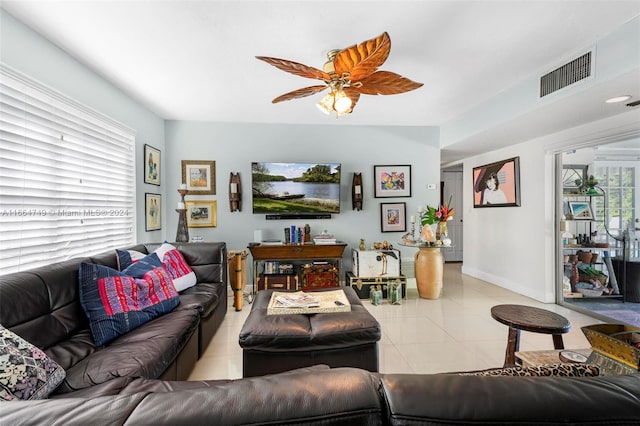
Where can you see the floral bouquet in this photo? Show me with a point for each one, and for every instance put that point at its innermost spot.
(439, 216)
(434, 215)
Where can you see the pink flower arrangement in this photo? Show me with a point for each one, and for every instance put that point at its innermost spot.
(434, 215)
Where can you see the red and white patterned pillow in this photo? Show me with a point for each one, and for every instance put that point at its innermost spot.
(179, 270)
(117, 303)
(177, 267)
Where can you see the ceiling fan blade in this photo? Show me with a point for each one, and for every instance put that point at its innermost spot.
(385, 83)
(299, 93)
(296, 68)
(363, 59)
(353, 94)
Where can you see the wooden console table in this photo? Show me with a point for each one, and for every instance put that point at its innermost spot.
(297, 254)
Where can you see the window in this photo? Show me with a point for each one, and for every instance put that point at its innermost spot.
(619, 181)
(66, 177)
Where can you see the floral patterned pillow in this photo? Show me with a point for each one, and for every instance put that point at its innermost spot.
(26, 372)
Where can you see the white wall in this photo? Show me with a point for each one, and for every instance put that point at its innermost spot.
(514, 247)
(506, 245)
(30, 53)
(234, 146)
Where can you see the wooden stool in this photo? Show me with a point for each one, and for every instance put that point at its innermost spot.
(528, 318)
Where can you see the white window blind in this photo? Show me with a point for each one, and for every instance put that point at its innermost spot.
(67, 186)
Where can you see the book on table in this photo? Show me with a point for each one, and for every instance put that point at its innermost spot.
(299, 302)
(324, 239)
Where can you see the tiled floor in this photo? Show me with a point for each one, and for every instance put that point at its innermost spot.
(453, 333)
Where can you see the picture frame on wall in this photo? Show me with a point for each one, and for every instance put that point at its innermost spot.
(199, 176)
(392, 181)
(581, 210)
(497, 184)
(573, 178)
(151, 165)
(393, 217)
(201, 213)
(152, 212)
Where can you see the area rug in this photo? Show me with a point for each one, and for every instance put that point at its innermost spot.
(626, 316)
(628, 313)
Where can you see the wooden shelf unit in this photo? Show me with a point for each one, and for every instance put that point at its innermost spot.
(299, 255)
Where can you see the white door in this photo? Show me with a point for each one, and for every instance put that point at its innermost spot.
(452, 187)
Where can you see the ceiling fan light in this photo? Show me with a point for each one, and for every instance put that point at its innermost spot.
(326, 104)
(343, 103)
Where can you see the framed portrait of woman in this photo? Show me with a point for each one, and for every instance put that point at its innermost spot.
(497, 184)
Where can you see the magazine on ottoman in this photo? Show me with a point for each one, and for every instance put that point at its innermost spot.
(321, 302)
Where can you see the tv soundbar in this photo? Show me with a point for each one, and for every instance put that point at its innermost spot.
(287, 216)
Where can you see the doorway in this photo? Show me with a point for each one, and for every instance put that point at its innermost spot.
(451, 188)
(607, 238)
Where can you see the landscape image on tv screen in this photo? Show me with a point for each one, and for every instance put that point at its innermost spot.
(295, 187)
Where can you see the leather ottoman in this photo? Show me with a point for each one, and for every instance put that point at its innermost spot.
(276, 343)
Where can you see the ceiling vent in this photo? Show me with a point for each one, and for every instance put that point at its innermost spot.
(574, 71)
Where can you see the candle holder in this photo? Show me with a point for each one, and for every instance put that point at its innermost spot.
(356, 191)
(410, 237)
(182, 234)
(235, 192)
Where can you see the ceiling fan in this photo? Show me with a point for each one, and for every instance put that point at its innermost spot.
(347, 74)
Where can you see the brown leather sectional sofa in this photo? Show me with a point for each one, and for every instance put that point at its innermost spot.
(42, 306)
(344, 396)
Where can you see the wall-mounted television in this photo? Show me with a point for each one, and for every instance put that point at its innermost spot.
(295, 187)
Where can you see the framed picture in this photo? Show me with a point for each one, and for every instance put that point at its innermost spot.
(573, 177)
(199, 176)
(152, 210)
(497, 184)
(581, 210)
(392, 181)
(151, 165)
(201, 213)
(393, 217)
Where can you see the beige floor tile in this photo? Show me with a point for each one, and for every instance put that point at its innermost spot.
(392, 361)
(412, 330)
(217, 367)
(450, 334)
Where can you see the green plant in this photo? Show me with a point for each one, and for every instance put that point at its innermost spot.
(434, 215)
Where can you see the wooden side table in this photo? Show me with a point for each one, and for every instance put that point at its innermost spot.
(529, 318)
